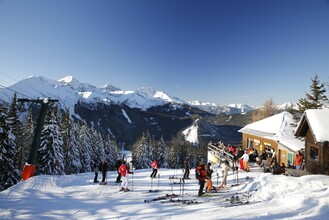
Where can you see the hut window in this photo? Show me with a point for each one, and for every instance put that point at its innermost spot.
(314, 153)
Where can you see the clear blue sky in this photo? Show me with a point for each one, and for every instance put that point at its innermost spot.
(233, 51)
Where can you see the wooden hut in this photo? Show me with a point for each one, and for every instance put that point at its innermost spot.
(314, 127)
(274, 134)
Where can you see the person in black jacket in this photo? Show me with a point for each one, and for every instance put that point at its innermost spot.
(104, 170)
(117, 166)
(96, 172)
(186, 167)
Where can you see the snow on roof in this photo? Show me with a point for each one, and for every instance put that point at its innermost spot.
(318, 120)
(277, 127)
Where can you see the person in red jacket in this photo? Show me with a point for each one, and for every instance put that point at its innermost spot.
(123, 170)
(155, 167)
(201, 176)
(298, 162)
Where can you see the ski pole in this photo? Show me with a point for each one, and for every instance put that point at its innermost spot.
(132, 181)
(151, 183)
(172, 192)
(217, 178)
(158, 181)
(180, 187)
(183, 189)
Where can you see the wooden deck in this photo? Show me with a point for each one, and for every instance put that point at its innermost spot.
(296, 173)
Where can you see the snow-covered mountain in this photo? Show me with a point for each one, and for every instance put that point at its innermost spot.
(69, 91)
(216, 109)
(287, 105)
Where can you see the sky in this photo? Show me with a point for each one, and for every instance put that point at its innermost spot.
(76, 197)
(220, 51)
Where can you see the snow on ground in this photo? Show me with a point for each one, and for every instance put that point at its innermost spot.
(76, 197)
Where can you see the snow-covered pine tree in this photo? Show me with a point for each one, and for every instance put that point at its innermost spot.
(86, 150)
(13, 115)
(142, 152)
(98, 147)
(27, 138)
(9, 175)
(111, 151)
(316, 98)
(201, 154)
(70, 134)
(172, 157)
(160, 152)
(50, 156)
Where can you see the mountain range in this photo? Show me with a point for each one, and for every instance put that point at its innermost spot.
(126, 114)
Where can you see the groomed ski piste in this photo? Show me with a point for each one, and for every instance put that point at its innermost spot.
(257, 195)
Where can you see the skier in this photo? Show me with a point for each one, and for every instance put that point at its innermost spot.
(200, 172)
(245, 158)
(96, 172)
(123, 170)
(298, 162)
(155, 169)
(186, 167)
(239, 155)
(104, 171)
(209, 172)
(263, 158)
(117, 166)
(225, 167)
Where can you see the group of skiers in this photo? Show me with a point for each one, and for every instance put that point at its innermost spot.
(122, 170)
(204, 174)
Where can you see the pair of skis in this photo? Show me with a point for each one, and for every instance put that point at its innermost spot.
(167, 196)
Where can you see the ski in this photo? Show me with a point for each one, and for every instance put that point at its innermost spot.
(174, 183)
(167, 196)
(173, 177)
(183, 201)
(123, 191)
(240, 203)
(151, 191)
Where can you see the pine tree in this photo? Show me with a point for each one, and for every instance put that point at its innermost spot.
(316, 98)
(111, 151)
(172, 157)
(98, 147)
(86, 150)
(27, 138)
(13, 115)
(141, 152)
(50, 156)
(161, 152)
(70, 134)
(9, 175)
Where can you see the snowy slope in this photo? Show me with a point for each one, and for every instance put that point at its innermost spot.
(191, 133)
(76, 197)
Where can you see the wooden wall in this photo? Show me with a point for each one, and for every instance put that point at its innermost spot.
(320, 165)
